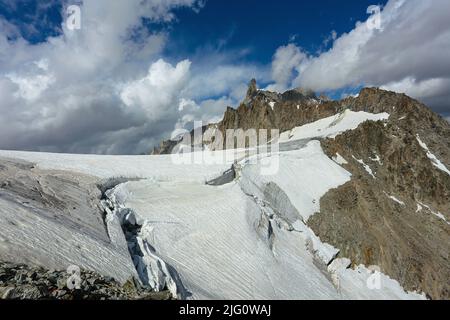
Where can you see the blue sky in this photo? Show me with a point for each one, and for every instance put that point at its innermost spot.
(263, 26)
(35, 23)
(138, 70)
(259, 27)
(254, 29)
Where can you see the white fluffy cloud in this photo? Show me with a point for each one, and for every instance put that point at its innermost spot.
(208, 111)
(107, 88)
(287, 63)
(101, 89)
(408, 54)
(159, 90)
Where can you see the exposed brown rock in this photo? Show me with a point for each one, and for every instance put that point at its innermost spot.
(371, 228)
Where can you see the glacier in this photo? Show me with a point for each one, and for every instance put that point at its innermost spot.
(245, 238)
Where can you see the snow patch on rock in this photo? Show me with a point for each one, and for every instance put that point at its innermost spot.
(395, 199)
(436, 214)
(434, 160)
(365, 166)
(339, 159)
(377, 159)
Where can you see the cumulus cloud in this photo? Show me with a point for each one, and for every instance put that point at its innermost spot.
(287, 63)
(207, 111)
(31, 86)
(101, 89)
(157, 92)
(216, 81)
(213, 80)
(409, 53)
(107, 88)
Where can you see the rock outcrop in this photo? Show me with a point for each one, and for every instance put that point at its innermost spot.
(22, 282)
(269, 110)
(395, 212)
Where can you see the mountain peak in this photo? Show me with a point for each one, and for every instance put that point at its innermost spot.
(252, 91)
(252, 87)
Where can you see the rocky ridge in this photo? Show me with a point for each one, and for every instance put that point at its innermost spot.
(395, 212)
(262, 110)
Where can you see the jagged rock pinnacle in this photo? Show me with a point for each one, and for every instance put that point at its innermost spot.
(252, 88)
(251, 92)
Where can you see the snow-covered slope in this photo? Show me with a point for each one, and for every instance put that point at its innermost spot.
(331, 126)
(245, 239)
(304, 175)
(144, 167)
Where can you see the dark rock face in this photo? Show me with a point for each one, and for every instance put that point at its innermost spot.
(251, 92)
(409, 241)
(270, 110)
(409, 116)
(21, 282)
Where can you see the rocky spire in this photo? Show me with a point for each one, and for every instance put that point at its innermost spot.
(252, 89)
(251, 92)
